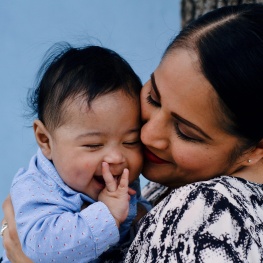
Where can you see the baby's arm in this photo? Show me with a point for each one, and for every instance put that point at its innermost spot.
(52, 227)
(116, 197)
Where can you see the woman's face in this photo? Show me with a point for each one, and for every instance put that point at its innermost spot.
(183, 137)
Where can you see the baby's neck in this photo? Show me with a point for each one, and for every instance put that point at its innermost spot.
(85, 205)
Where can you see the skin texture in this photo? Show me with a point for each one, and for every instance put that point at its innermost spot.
(88, 137)
(10, 238)
(93, 155)
(174, 114)
(115, 194)
(91, 152)
(175, 109)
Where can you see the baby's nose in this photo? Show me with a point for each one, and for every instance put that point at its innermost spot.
(114, 157)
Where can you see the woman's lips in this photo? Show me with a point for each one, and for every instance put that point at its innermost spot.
(151, 157)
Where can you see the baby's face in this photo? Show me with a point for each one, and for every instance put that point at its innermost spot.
(109, 131)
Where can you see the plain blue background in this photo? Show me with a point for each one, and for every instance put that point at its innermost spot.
(138, 30)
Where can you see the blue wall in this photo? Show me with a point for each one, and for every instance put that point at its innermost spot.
(138, 30)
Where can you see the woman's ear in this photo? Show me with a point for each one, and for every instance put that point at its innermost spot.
(43, 138)
(256, 154)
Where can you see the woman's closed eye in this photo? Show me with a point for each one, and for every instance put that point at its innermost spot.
(183, 136)
(151, 101)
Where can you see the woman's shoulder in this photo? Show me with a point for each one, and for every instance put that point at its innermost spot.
(224, 196)
(232, 188)
(219, 218)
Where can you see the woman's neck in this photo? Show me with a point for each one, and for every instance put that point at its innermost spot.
(252, 173)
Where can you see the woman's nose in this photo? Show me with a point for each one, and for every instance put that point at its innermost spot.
(154, 132)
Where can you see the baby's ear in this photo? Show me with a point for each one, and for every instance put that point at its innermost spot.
(43, 138)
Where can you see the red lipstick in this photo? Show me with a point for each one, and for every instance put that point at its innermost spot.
(151, 157)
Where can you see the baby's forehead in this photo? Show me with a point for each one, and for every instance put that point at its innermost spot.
(85, 103)
(114, 116)
(79, 105)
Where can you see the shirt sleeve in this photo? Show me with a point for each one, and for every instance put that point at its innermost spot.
(52, 227)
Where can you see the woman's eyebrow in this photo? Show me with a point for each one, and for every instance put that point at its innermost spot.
(176, 116)
(190, 124)
(154, 86)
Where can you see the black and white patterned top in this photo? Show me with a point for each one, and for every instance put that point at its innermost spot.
(220, 220)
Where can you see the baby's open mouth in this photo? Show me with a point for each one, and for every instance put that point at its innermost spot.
(99, 179)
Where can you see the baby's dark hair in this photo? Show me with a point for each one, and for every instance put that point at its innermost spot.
(88, 72)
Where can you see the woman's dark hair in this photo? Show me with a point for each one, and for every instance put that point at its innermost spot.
(229, 46)
(87, 72)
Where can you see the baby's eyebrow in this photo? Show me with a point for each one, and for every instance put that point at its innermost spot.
(134, 130)
(97, 134)
(88, 134)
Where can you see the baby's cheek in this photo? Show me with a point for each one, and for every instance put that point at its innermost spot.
(135, 173)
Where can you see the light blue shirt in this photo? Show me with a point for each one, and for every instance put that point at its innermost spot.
(50, 223)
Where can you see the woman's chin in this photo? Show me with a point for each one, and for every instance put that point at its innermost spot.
(162, 174)
(153, 174)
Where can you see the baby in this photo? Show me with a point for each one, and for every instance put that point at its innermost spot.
(73, 202)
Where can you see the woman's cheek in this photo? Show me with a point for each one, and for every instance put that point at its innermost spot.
(186, 156)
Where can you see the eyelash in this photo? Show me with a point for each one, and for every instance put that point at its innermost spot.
(183, 136)
(96, 146)
(132, 143)
(177, 130)
(93, 146)
(151, 101)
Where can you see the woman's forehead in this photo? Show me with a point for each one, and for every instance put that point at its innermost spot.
(180, 71)
(185, 91)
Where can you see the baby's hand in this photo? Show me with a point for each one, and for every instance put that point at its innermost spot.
(116, 197)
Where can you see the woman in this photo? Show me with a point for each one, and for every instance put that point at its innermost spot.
(203, 143)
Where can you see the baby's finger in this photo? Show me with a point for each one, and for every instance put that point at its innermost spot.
(131, 191)
(124, 181)
(110, 182)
